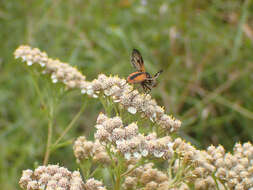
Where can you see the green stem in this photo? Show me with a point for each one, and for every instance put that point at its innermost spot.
(178, 175)
(170, 166)
(35, 83)
(225, 187)
(94, 171)
(105, 105)
(114, 106)
(117, 184)
(71, 124)
(49, 138)
(83, 170)
(215, 180)
(118, 173)
(132, 169)
(115, 173)
(60, 145)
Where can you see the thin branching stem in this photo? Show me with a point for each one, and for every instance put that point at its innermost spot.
(215, 180)
(49, 136)
(132, 169)
(71, 124)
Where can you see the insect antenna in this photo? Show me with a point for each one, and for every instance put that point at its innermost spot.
(158, 73)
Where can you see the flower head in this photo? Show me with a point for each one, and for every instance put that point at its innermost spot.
(51, 177)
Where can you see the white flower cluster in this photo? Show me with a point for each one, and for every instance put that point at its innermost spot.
(59, 71)
(118, 89)
(54, 177)
(51, 177)
(129, 141)
(84, 149)
(235, 171)
(92, 184)
(147, 177)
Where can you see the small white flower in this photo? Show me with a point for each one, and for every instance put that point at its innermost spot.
(99, 126)
(137, 155)
(170, 145)
(95, 96)
(118, 142)
(90, 92)
(144, 152)
(89, 87)
(132, 110)
(24, 58)
(107, 92)
(83, 91)
(42, 64)
(158, 154)
(29, 63)
(116, 100)
(127, 155)
(54, 80)
(154, 116)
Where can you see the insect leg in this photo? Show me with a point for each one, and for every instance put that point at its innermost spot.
(146, 88)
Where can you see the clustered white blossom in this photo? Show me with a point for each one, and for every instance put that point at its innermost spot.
(92, 184)
(51, 177)
(59, 71)
(129, 141)
(116, 88)
(84, 149)
(54, 177)
(147, 177)
(234, 170)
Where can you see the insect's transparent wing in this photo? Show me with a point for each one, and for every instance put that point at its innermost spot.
(137, 61)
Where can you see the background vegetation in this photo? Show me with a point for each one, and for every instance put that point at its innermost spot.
(204, 47)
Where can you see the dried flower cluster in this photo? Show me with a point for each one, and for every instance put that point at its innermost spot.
(234, 171)
(114, 87)
(207, 170)
(51, 177)
(128, 141)
(147, 177)
(84, 149)
(59, 71)
(92, 184)
(54, 177)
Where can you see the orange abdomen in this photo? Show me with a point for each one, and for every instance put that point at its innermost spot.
(137, 77)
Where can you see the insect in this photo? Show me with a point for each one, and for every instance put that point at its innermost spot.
(141, 76)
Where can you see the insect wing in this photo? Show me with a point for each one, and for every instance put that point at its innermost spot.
(137, 61)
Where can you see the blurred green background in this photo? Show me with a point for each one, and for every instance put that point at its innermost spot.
(204, 47)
